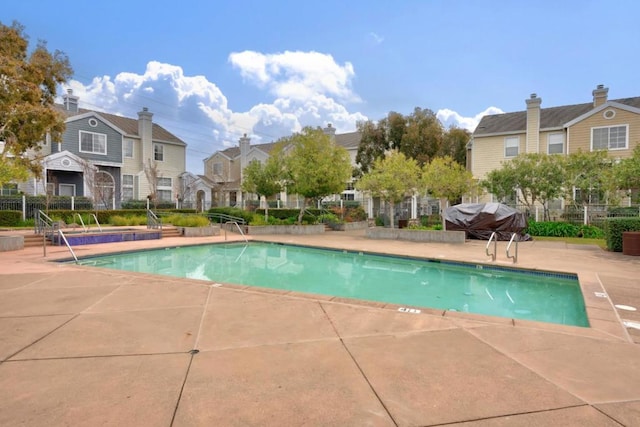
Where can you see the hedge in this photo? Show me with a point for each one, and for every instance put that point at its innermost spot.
(614, 227)
(11, 218)
(237, 212)
(69, 216)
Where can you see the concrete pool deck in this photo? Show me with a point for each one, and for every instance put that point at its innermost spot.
(88, 346)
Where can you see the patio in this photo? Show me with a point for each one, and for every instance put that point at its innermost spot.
(88, 346)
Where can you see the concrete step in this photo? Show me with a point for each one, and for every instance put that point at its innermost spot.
(34, 240)
(170, 232)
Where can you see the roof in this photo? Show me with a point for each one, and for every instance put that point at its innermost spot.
(349, 140)
(126, 124)
(554, 117)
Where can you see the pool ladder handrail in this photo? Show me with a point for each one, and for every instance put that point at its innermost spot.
(515, 256)
(495, 246)
(66, 242)
(239, 229)
(86, 228)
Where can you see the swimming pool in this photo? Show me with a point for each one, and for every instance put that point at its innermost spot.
(481, 289)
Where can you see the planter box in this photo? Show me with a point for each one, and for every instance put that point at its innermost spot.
(347, 226)
(284, 229)
(438, 236)
(199, 231)
(11, 243)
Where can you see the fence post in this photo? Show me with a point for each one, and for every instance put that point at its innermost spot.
(73, 203)
(537, 215)
(24, 207)
(586, 215)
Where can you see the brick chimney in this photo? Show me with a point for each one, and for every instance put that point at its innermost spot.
(599, 95)
(70, 101)
(330, 130)
(245, 144)
(145, 131)
(533, 124)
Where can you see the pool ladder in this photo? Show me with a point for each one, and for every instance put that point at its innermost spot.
(494, 239)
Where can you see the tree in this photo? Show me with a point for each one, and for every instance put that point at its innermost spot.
(391, 178)
(419, 136)
(28, 84)
(152, 173)
(454, 144)
(263, 179)
(590, 175)
(446, 180)
(627, 172)
(373, 143)
(536, 177)
(315, 166)
(422, 139)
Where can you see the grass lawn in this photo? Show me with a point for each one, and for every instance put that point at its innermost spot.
(575, 241)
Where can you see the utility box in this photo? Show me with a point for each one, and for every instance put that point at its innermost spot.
(631, 243)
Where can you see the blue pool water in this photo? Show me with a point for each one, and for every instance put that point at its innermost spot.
(495, 291)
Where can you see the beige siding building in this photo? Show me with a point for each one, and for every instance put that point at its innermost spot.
(603, 124)
(223, 171)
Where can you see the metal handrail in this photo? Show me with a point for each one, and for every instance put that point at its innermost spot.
(64, 239)
(239, 229)
(224, 217)
(495, 246)
(42, 222)
(97, 223)
(515, 256)
(153, 221)
(84, 227)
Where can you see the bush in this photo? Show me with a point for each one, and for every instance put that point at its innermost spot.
(187, 220)
(236, 212)
(129, 220)
(10, 218)
(614, 227)
(590, 232)
(330, 218)
(285, 214)
(552, 229)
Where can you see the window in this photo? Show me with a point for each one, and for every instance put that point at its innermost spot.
(127, 187)
(8, 189)
(609, 138)
(217, 168)
(158, 152)
(127, 148)
(66, 190)
(93, 142)
(164, 189)
(511, 146)
(555, 143)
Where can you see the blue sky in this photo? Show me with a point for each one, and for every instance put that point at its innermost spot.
(213, 70)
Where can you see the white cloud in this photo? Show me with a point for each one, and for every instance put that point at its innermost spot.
(301, 89)
(450, 117)
(296, 75)
(377, 39)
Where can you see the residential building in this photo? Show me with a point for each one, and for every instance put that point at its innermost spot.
(110, 158)
(602, 124)
(223, 171)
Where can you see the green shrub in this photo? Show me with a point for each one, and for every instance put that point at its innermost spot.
(187, 220)
(128, 220)
(237, 212)
(379, 221)
(10, 218)
(614, 227)
(623, 212)
(552, 229)
(330, 217)
(590, 232)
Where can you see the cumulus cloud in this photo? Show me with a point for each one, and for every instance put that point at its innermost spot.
(449, 117)
(300, 89)
(296, 75)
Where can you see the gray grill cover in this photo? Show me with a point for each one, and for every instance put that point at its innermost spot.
(479, 220)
